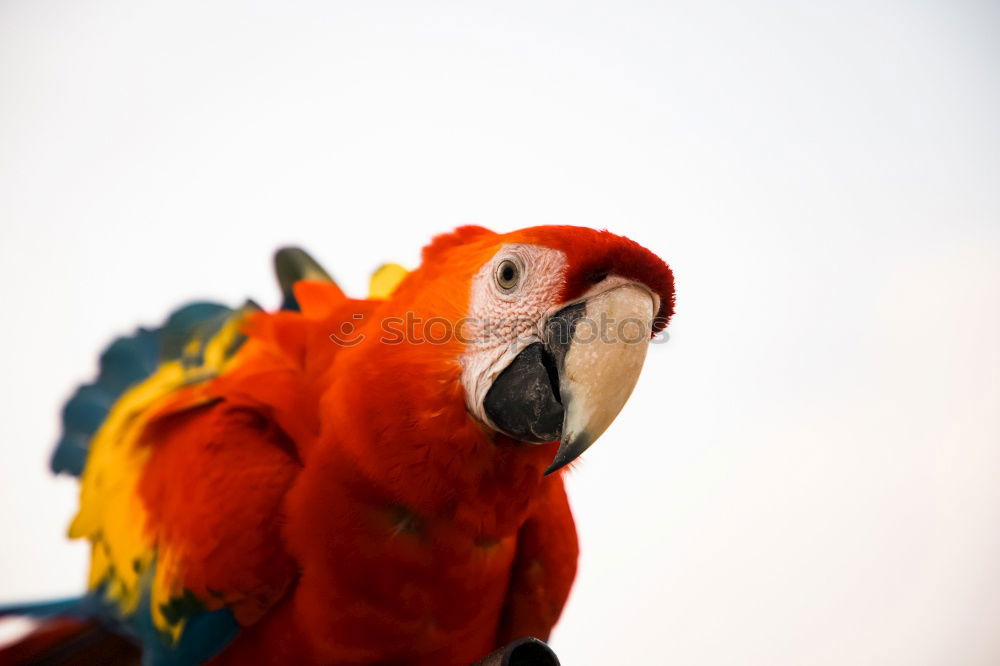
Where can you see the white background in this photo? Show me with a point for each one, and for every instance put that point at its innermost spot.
(809, 470)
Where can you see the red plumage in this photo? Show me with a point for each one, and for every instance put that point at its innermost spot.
(341, 500)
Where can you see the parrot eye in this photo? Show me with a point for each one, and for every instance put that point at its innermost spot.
(507, 275)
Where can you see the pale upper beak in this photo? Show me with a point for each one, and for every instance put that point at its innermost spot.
(571, 386)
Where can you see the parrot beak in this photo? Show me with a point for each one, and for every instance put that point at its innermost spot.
(600, 364)
(570, 387)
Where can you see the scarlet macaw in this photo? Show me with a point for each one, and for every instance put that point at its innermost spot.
(354, 481)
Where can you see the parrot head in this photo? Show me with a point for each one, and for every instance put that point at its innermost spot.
(543, 331)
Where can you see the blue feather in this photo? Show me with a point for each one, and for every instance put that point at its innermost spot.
(43, 609)
(126, 362)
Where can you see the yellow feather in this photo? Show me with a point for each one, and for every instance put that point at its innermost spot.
(111, 515)
(384, 281)
(164, 589)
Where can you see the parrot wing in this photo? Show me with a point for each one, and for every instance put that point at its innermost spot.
(184, 462)
(543, 570)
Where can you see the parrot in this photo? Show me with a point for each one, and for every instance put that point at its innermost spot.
(351, 481)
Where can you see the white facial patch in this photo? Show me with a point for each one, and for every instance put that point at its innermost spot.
(503, 321)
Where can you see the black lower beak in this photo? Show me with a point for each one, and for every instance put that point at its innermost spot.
(524, 400)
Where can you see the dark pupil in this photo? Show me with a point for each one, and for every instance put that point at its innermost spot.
(507, 273)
